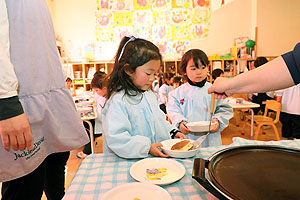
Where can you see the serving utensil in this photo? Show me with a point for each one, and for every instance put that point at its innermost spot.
(199, 141)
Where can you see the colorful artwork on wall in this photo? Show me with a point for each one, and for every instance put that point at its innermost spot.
(170, 24)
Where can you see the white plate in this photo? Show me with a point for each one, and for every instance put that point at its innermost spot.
(167, 144)
(142, 191)
(201, 126)
(173, 170)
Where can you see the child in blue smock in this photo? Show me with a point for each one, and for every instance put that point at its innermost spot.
(191, 102)
(133, 124)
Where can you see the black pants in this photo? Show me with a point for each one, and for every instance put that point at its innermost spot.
(259, 99)
(87, 148)
(48, 177)
(290, 125)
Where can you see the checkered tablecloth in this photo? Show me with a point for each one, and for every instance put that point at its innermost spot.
(98, 173)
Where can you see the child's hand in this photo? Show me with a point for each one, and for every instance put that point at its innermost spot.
(218, 124)
(180, 135)
(154, 150)
(183, 128)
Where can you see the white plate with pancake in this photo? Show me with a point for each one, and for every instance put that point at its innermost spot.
(181, 153)
(143, 191)
(201, 126)
(159, 171)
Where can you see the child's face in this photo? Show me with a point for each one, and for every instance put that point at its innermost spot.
(101, 92)
(69, 84)
(144, 75)
(196, 74)
(176, 85)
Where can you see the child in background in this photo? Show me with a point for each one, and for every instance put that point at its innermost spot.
(69, 85)
(191, 102)
(100, 87)
(164, 90)
(290, 111)
(217, 73)
(260, 98)
(156, 85)
(133, 124)
(176, 81)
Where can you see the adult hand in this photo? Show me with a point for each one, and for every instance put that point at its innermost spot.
(221, 88)
(16, 132)
(155, 151)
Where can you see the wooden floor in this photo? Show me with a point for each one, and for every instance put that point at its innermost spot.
(227, 134)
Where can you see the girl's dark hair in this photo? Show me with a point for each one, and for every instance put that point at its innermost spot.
(216, 73)
(177, 79)
(98, 80)
(166, 76)
(69, 79)
(195, 54)
(132, 53)
(260, 61)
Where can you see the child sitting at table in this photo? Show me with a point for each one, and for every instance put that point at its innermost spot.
(260, 98)
(164, 90)
(217, 73)
(133, 124)
(99, 85)
(191, 102)
(69, 86)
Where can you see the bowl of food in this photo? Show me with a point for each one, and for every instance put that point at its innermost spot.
(201, 126)
(239, 100)
(178, 148)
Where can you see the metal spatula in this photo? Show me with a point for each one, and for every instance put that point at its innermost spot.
(199, 141)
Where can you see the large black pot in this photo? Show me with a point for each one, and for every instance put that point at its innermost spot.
(251, 172)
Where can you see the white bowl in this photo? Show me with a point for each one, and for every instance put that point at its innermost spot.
(201, 126)
(166, 148)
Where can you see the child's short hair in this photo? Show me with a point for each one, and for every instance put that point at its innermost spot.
(68, 79)
(131, 54)
(177, 79)
(196, 55)
(216, 73)
(260, 61)
(167, 76)
(98, 80)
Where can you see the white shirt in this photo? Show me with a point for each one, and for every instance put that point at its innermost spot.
(100, 103)
(290, 101)
(9, 82)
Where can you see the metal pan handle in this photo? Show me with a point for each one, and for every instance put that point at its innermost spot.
(199, 175)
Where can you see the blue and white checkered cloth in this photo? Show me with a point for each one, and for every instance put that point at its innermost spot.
(99, 173)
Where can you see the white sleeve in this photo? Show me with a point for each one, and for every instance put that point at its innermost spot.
(9, 82)
(279, 93)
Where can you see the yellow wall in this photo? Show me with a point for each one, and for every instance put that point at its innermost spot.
(231, 21)
(278, 26)
(277, 21)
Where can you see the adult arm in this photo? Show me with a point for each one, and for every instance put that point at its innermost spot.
(14, 125)
(281, 72)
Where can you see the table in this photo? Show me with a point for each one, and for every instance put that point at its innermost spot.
(87, 112)
(245, 104)
(98, 173)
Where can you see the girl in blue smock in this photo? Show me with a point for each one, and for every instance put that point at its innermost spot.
(133, 124)
(191, 102)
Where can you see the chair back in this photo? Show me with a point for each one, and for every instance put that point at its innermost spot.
(274, 106)
(244, 96)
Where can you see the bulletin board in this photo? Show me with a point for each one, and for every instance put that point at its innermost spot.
(170, 24)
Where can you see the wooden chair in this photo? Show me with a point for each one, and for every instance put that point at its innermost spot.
(238, 114)
(261, 120)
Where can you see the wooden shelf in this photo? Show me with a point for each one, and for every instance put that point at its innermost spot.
(83, 72)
